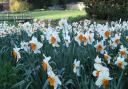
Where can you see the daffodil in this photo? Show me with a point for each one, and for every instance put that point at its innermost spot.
(16, 54)
(107, 57)
(53, 79)
(45, 63)
(79, 38)
(99, 70)
(54, 39)
(90, 37)
(100, 47)
(99, 67)
(27, 27)
(98, 60)
(35, 45)
(76, 67)
(85, 39)
(123, 51)
(120, 62)
(103, 80)
(116, 40)
(105, 34)
(63, 22)
(67, 40)
(25, 46)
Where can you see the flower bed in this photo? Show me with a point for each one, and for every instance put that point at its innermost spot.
(67, 56)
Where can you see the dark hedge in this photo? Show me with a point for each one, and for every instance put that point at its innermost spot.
(107, 9)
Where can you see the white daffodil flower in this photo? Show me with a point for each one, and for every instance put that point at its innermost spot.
(45, 63)
(63, 22)
(16, 54)
(107, 57)
(54, 39)
(105, 34)
(90, 37)
(123, 51)
(99, 70)
(53, 79)
(116, 40)
(120, 62)
(76, 67)
(25, 46)
(98, 60)
(79, 38)
(100, 47)
(103, 80)
(67, 40)
(35, 45)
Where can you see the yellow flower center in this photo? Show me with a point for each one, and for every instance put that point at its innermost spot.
(84, 38)
(117, 41)
(81, 37)
(106, 56)
(97, 73)
(123, 53)
(99, 47)
(107, 34)
(33, 46)
(53, 40)
(105, 82)
(120, 63)
(51, 80)
(14, 54)
(44, 65)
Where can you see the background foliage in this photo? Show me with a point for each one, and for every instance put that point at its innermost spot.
(46, 3)
(19, 5)
(107, 9)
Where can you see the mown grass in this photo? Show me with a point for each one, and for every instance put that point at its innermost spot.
(49, 14)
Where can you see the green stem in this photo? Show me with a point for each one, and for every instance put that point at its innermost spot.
(119, 81)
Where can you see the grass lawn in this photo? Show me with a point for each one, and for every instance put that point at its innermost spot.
(50, 14)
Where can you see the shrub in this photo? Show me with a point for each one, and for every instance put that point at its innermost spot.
(17, 6)
(107, 9)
